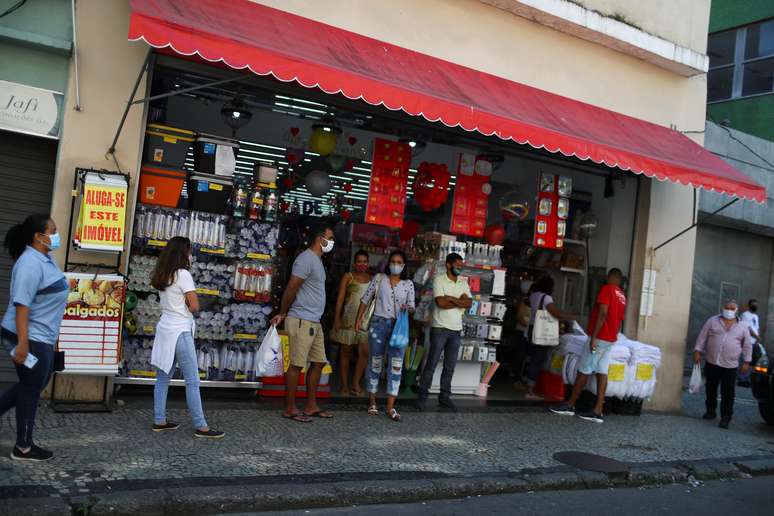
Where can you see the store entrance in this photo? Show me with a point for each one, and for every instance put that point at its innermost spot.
(26, 180)
(246, 171)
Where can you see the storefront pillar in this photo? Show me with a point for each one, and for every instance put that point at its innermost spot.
(664, 209)
(107, 68)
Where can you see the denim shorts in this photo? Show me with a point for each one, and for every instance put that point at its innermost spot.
(598, 361)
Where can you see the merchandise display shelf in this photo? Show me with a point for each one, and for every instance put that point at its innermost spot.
(176, 382)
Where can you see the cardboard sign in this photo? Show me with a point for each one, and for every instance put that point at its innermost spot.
(389, 183)
(91, 328)
(102, 220)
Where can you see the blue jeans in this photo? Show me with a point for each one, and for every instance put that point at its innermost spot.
(24, 395)
(185, 355)
(379, 332)
(446, 342)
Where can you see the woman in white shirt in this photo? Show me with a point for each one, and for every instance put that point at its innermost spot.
(174, 336)
(392, 293)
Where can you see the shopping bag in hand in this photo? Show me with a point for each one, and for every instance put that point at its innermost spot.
(400, 332)
(269, 359)
(696, 380)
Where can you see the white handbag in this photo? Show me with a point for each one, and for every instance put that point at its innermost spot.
(545, 331)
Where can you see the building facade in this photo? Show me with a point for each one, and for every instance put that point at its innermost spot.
(633, 58)
(35, 53)
(734, 247)
(741, 51)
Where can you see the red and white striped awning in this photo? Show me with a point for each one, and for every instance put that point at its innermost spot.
(243, 34)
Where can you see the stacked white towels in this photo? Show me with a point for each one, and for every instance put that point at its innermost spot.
(569, 350)
(645, 361)
(619, 373)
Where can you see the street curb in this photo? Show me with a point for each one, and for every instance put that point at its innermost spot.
(284, 496)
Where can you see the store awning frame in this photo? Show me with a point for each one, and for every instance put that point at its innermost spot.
(291, 48)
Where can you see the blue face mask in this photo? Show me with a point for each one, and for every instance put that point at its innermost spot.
(55, 244)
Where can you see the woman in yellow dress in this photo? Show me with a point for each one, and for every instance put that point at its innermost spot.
(351, 289)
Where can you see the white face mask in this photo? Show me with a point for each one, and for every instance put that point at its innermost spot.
(327, 247)
(729, 314)
(396, 269)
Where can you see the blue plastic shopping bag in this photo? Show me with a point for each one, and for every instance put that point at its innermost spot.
(400, 333)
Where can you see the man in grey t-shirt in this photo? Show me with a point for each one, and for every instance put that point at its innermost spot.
(303, 303)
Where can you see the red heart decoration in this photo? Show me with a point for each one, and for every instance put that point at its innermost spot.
(352, 140)
(294, 131)
(345, 215)
(288, 182)
(347, 188)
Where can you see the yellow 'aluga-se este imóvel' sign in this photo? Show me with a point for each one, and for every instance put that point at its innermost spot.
(102, 219)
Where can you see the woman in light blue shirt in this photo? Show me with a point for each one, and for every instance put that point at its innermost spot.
(31, 324)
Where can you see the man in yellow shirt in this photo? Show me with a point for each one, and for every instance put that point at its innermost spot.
(452, 298)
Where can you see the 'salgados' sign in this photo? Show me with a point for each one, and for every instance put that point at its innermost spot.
(24, 109)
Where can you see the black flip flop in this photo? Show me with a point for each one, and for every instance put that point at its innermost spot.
(322, 414)
(298, 418)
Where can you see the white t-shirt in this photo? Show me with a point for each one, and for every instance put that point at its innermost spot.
(173, 297)
(752, 321)
(534, 304)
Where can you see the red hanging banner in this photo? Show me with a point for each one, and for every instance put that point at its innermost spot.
(553, 208)
(471, 196)
(389, 183)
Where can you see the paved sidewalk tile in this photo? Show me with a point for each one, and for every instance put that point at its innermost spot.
(96, 452)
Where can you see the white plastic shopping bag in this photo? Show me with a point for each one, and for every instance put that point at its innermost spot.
(696, 380)
(269, 359)
(545, 332)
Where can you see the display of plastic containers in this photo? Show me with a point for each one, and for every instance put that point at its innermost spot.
(161, 186)
(209, 193)
(207, 158)
(166, 145)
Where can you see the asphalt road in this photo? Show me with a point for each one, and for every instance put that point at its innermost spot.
(750, 497)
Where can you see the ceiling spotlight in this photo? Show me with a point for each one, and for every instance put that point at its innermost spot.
(235, 114)
(417, 145)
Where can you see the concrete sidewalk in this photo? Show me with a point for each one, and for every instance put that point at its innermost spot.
(114, 460)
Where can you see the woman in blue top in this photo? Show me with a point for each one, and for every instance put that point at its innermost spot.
(31, 324)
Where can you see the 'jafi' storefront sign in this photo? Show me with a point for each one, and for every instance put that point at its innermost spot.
(102, 219)
(24, 109)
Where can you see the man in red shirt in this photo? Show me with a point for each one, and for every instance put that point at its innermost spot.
(604, 325)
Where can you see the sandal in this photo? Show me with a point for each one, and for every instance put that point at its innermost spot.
(321, 414)
(298, 417)
(372, 410)
(393, 414)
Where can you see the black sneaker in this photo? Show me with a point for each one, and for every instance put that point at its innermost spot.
(209, 434)
(36, 454)
(592, 416)
(724, 423)
(563, 409)
(421, 404)
(169, 425)
(709, 416)
(448, 404)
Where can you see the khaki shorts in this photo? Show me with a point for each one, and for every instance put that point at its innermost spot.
(306, 342)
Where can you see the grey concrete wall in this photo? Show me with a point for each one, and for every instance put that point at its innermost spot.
(729, 144)
(742, 261)
(736, 246)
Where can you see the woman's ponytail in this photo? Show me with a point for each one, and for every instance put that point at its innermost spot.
(21, 235)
